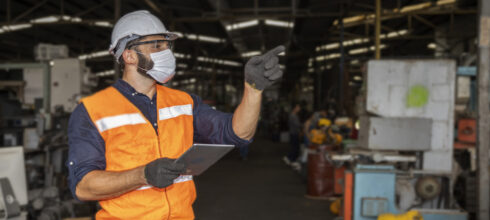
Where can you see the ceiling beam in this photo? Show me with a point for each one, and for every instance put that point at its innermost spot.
(30, 10)
(425, 21)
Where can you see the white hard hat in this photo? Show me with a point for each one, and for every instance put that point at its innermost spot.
(134, 25)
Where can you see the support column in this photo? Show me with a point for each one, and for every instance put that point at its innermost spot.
(378, 30)
(483, 131)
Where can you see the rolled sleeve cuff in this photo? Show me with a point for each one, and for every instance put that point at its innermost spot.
(239, 142)
(77, 174)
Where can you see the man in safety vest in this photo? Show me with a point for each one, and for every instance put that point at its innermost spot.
(124, 139)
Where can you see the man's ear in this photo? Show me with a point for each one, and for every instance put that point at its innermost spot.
(129, 57)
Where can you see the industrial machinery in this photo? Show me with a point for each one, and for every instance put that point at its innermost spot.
(13, 186)
(35, 116)
(404, 158)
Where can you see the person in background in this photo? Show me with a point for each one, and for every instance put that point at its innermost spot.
(311, 123)
(294, 137)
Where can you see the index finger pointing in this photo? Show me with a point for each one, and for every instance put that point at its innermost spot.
(274, 52)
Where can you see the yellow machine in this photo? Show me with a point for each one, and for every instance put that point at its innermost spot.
(410, 215)
(318, 136)
(335, 206)
(324, 133)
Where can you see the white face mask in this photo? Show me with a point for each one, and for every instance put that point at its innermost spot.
(163, 66)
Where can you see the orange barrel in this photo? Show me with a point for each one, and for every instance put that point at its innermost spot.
(320, 172)
(339, 180)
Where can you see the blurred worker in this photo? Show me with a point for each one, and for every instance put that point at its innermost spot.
(318, 135)
(294, 135)
(124, 139)
(311, 123)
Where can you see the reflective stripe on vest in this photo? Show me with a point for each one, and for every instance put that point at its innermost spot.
(174, 111)
(111, 122)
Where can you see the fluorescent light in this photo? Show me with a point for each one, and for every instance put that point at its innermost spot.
(354, 62)
(279, 23)
(231, 63)
(365, 49)
(327, 57)
(406, 9)
(241, 25)
(94, 55)
(103, 24)
(251, 53)
(445, 2)
(182, 65)
(395, 34)
(205, 69)
(15, 27)
(344, 43)
(72, 19)
(415, 7)
(198, 37)
(329, 66)
(204, 38)
(432, 46)
(210, 39)
(355, 41)
(357, 78)
(219, 61)
(328, 46)
(182, 56)
(359, 50)
(55, 18)
(363, 40)
(105, 73)
(44, 20)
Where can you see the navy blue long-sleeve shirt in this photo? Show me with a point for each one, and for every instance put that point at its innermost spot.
(87, 148)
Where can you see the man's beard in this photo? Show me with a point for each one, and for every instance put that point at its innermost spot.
(144, 64)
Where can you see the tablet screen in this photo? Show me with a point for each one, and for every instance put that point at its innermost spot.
(200, 157)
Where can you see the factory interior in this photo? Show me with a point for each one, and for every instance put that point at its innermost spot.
(382, 111)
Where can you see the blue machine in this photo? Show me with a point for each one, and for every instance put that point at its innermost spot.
(374, 191)
(374, 194)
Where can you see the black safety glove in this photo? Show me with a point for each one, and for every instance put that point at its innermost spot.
(162, 172)
(262, 71)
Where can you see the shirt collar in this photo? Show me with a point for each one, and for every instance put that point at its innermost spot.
(127, 89)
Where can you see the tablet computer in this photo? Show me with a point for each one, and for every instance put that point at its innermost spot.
(200, 157)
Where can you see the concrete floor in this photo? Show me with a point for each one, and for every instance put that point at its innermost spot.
(262, 187)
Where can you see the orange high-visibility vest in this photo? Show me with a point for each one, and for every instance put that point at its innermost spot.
(131, 141)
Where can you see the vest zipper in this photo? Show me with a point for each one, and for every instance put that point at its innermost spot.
(161, 155)
(168, 202)
(166, 196)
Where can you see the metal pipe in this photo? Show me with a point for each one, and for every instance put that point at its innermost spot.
(30, 10)
(378, 29)
(483, 121)
(341, 63)
(117, 14)
(8, 11)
